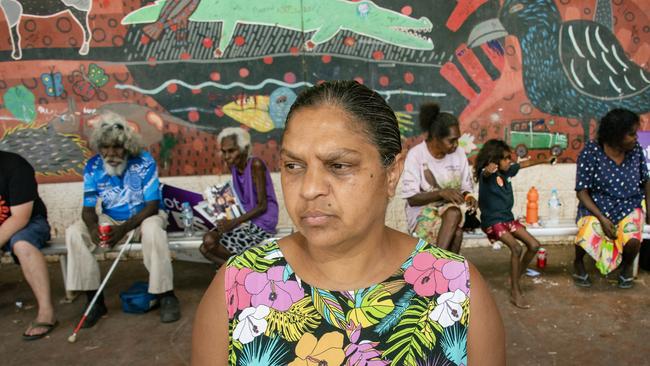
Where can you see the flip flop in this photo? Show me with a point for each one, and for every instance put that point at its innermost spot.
(532, 273)
(581, 281)
(48, 326)
(625, 283)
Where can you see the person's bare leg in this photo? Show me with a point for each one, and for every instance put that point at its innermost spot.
(457, 241)
(630, 251)
(34, 267)
(516, 297)
(532, 245)
(450, 220)
(578, 262)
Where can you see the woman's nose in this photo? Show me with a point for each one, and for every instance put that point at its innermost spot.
(314, 183)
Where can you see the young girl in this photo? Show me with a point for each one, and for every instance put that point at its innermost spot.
(493, 170)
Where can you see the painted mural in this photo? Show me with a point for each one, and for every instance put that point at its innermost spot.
(538, 73)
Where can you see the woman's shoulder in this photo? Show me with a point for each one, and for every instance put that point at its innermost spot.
(257, 163)
(417, 155)
(257, 258)
(638, 149)
(591, 147)
(437, 252)
(590, 152)
(420, 150)
(453, 268)
(443, 277)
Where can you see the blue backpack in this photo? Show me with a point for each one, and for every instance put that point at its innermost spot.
(137, 300)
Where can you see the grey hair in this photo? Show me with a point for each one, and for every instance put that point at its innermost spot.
(111, 129)
(241, 136)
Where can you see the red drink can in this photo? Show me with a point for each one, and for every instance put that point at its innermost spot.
(541, 258)
(104, 230)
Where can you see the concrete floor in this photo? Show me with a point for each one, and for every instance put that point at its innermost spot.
(567, 326)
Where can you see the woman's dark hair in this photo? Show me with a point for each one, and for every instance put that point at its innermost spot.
(437, 124)
(615, 125)
(364, 105)
(491, 152)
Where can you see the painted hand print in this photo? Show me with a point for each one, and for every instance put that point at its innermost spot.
(538, 74)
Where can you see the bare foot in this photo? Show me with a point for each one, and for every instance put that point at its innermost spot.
(36, 329)
(523, 271)
(519, 301)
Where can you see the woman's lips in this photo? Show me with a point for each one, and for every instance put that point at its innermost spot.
(315, 218)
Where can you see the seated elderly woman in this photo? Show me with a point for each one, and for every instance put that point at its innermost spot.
(611, 183)
(252, 183)
(345, 288)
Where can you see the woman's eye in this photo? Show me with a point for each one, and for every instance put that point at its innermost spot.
(290, 167)
(339, 167)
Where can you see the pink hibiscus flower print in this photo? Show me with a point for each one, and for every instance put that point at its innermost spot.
(425, 274)
(361, 353)
(271, 290)
(237, 297)
(457, 274)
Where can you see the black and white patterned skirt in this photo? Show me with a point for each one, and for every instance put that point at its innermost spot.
(243, 237)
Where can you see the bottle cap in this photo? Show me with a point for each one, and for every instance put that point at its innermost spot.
(186, 205)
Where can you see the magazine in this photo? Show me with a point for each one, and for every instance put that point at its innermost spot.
(173, 198)
(221, 202)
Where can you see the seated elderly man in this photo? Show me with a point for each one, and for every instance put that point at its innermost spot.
(23, 231)
(252, 183)
(125, 179)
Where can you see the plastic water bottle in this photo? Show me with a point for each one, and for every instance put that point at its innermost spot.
(554, 206)
(188, 219)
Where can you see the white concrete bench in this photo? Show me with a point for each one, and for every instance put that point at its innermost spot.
(181, 247)
(564, 228)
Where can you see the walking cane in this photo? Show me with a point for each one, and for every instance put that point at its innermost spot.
(73, 337)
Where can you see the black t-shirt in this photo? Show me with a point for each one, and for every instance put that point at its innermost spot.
(17, 185)
(495, 197)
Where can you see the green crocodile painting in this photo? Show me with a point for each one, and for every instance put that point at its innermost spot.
(323, 17)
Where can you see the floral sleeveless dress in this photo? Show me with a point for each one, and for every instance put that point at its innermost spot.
(418, 316)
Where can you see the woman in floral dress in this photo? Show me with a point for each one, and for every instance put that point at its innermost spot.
(345, 289)
(611, 184)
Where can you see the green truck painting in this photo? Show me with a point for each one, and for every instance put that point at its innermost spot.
(533, 134)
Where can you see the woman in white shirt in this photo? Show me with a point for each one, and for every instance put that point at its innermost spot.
(437, 182)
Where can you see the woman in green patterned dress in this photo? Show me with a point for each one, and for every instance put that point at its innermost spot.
(345, 289)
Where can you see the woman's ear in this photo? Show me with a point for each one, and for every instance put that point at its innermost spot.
(393, 173)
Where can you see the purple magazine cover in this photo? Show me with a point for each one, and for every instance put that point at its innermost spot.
(173, 198)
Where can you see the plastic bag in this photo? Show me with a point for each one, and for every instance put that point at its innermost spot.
(137, 300)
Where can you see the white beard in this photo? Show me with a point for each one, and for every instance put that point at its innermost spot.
(116, 171)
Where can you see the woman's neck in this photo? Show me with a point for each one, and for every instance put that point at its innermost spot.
(241, 165)
(354, 264)
(614, 153)
(434, 149)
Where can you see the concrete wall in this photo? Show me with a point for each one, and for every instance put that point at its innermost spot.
(64, 199)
